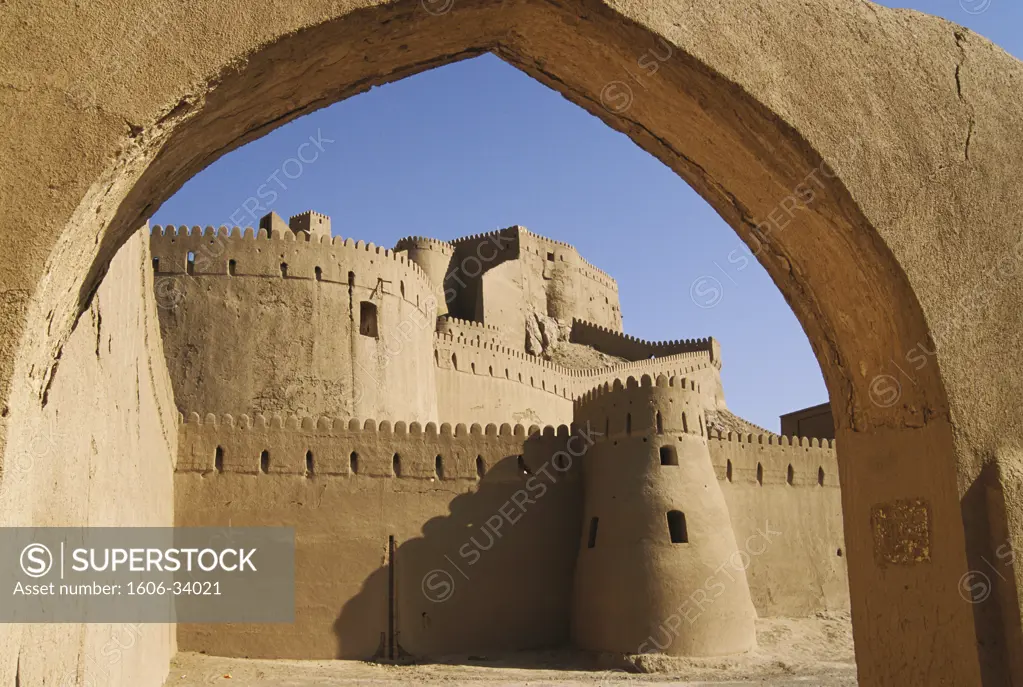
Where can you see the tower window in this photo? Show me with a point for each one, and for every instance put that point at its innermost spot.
(218, 459)
(820, 476)
(308, 463)
(264, 462)
(523, 468)
(368, 319)
(319, 273)
(550, 257)
(156, 264)
(728, 470)
(481, 468)
(351, 279)
(232, 267)
(677, 527)
(396, 465)
(628, 423)
(660, 423)
(438, 467)
(190, 263)
(790, 475)
(760, 474)
(669, 456)
(353, 463)
(592, 541)
(284, 270)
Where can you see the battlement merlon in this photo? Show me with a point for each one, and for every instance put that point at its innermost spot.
(631, 348)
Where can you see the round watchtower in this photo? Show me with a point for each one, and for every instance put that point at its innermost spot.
(434, 258)
(659, 569)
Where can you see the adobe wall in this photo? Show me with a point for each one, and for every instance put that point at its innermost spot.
(508, 588)
(658, 545)
(434, 258)
(259, 324)
(797, 543)
(100, 452)
(495, 553)
(621, 345)
(505, 276)
(492, 383)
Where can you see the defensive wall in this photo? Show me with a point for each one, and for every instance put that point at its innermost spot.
(253, 323)
(472, 331)
(485, 544)
(621, 345)
(491, 383)
(435, 259)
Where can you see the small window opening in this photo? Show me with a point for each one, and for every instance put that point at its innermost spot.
(550, 257)
(628, 423)
(592, 540)
(319, 273)
(284, 270)
(481, 468)
(669, 456)
(523, 468)
(353, 463)
(820, 477)
(156, 264)
(660, 423)
(454, 361)
(232, 268)
(218, 459)
(728, 471)
(190, 263)
(264, 462)
(760, 474)
(402, 285)
(677, 527)
(351, 279)
(685, 423)
(790, 475)
(396, 465)
(438, 467)
(368, 319)
(309, 464)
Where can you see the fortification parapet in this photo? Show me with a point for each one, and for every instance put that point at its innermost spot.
(631, 348)
(316, 224)
(770, 459)
(469, 330)
(331, 447)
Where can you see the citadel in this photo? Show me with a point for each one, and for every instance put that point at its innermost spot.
(473, 454)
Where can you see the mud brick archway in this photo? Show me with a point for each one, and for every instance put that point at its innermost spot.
(868, 157)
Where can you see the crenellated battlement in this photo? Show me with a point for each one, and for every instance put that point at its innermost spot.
(424, 242)
(769, 459)
(249, 252)
(330, 446)
(622, 345)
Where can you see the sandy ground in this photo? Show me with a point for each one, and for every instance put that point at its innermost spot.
(792, 652)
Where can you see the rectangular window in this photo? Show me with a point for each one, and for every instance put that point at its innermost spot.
(368, 319)
(677, 527)
(669, 456)
(593, 533)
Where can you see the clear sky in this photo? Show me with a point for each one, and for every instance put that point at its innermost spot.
(477, 146)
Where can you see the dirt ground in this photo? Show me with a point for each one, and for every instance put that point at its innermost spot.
(791, 652)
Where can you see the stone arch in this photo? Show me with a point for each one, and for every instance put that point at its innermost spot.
(745, 122)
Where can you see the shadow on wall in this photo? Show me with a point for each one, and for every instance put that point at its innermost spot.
(495, 574)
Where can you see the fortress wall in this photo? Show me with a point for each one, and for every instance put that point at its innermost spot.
(629, 347)
(485, 383)
(99, 452)
(272, 325)
(526, 388)
(495, 553)
(797, 570)
(473, 331)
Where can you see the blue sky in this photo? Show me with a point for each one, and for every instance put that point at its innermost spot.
(477, 146)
